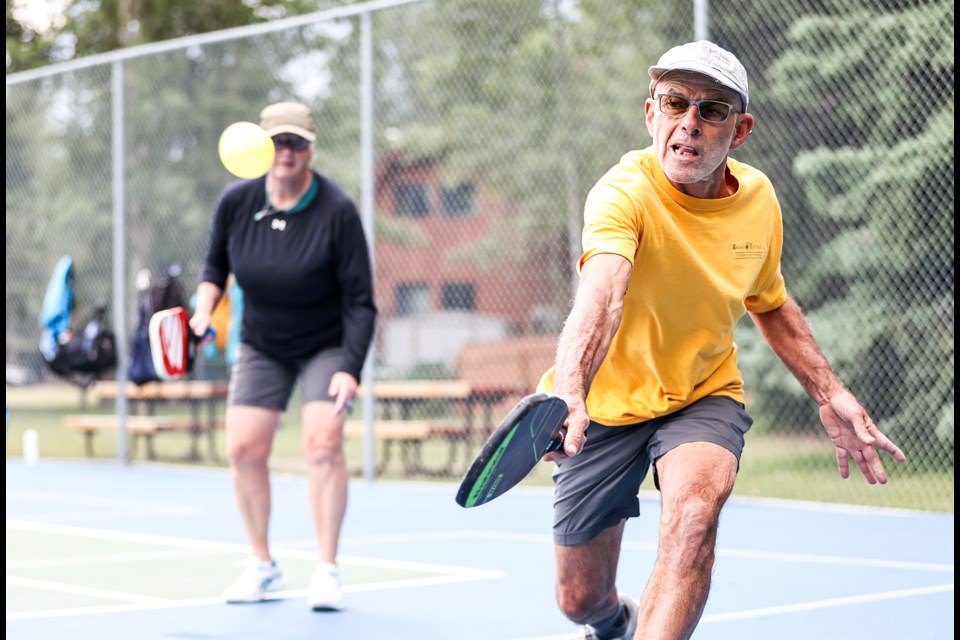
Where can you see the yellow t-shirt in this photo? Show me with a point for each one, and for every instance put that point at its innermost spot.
(698, 266)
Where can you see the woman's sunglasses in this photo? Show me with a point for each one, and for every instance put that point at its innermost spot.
(296, 143)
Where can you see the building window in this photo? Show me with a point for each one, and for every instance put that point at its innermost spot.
(411, 201)
(412, 298)
(459, 296)
(458, 201)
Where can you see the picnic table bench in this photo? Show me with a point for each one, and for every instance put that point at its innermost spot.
(145, 422)
(408, 437)
(398, 424)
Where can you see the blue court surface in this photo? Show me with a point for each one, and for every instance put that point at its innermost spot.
(142, 552)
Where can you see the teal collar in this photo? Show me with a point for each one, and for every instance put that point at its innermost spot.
(303, 203)
(306, 199)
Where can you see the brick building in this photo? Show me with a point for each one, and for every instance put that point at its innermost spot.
(432, 285)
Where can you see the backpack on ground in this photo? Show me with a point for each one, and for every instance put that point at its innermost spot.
(88, 353)
(164, 294)
(82, 355)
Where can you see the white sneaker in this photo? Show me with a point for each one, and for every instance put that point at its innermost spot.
(256, 580)
(324, 593)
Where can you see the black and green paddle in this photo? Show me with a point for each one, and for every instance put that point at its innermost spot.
(533, 428)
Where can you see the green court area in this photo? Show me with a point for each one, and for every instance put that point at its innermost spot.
(64, 570)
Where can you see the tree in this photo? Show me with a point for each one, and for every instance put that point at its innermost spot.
(58, 150)
(535, 100)
(26, 47)
(89, 28)
(883, 180)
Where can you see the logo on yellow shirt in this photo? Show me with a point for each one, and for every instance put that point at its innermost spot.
(749, 250)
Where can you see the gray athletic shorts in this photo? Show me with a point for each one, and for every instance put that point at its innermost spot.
(598, 488)
(257, 380)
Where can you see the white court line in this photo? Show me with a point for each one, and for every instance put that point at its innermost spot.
(645, 496)
(229, 547)
(110, 608)
(827, 507)
(653, 496)
(97, 501)
(454, 574)
(831, 602)
(464, 574)
(145, 603)
(878, 563)
(106, 594)
(105, 558)
(122, 536)
(452, 534)
(801, 606)
(777, 556)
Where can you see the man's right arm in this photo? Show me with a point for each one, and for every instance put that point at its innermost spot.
(586, 337)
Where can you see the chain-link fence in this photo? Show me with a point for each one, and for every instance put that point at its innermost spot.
(488, 121)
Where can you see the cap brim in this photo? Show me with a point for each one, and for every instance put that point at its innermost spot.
(289, 128)
(658, 72)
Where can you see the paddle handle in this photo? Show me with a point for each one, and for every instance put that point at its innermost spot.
(556, 441)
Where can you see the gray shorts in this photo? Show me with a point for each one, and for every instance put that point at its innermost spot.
(257, 380)
(598, 488)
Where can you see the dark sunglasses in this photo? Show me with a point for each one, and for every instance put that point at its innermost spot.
(296, 143)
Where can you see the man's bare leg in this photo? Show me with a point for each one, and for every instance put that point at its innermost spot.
(695, 481)
(587, 576)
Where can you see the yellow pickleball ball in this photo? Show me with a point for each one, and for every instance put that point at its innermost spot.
(246, 150)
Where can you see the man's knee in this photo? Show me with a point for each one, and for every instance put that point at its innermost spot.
(688, 530)
(584, 602)
(586, 577)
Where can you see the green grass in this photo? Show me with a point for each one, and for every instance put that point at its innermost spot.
(773, 466)
(805, 468)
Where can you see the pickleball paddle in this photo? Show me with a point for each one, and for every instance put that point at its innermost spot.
(533, 428)
(173, 345)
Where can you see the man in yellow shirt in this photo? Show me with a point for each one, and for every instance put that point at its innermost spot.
(679, 242)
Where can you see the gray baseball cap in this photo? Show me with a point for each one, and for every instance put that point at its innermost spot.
(708, 59)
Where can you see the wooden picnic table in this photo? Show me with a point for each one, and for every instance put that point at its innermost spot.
(202, 397)
(398, 402)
